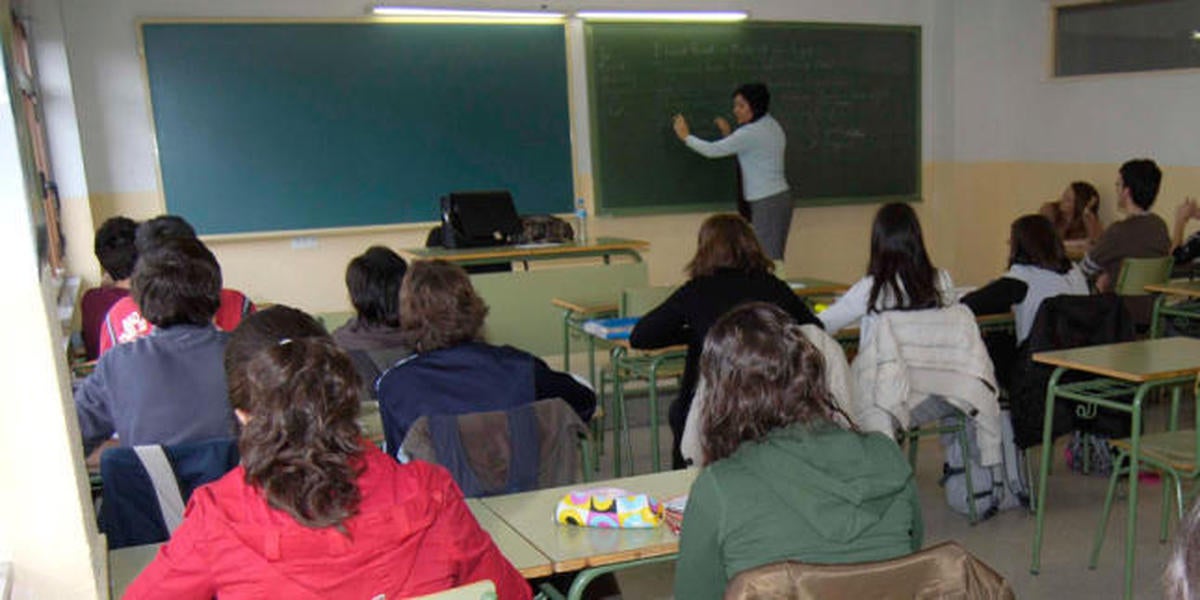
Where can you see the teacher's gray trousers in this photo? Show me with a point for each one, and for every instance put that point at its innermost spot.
(772, 218)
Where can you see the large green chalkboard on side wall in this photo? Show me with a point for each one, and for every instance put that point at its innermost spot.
(848, 97)
(292, 126)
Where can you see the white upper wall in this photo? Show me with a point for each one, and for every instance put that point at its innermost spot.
(1007, 108)
(111, 99)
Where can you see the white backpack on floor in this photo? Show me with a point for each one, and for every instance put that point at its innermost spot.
(999, 487)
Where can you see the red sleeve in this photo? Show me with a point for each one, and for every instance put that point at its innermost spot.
(181, 568)
(476, 554)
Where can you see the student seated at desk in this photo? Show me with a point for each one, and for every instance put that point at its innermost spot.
(373, 279)
(117, 254)
(167, 387)
(785, 476)
(1185, 251)
(125, 322)
(899, 276)
(314, 510)
(729, 268)
(453, 371)
(1075, 214)
(1038, 268)
(1141, 234)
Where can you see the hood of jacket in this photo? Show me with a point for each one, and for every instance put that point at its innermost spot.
(840, 482)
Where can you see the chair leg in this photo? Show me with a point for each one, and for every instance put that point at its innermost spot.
(1102, 529)
(966, 453)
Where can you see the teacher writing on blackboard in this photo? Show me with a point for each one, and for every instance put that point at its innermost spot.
(759, 143)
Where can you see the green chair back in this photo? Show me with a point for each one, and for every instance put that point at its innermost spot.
(480, 590)
(637, 301)
(1137, 273)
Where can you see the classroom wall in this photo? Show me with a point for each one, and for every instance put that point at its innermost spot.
(112, 119)
(46, 531)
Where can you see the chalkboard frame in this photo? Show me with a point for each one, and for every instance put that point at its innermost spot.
(604, 209)
(403, 210)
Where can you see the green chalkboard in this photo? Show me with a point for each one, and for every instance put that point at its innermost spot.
(284, 126)
(848, 97)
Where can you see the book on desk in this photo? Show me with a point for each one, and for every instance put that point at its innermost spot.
(617, 328)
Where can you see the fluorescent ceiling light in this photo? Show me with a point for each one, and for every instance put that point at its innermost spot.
(463, 13)
(616, 15)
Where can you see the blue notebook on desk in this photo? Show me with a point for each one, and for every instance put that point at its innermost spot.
(611, 329)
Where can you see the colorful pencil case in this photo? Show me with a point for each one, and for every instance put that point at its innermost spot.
(609, 508)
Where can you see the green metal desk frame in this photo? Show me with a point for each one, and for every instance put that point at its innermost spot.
(642, 366)
(1094, 393)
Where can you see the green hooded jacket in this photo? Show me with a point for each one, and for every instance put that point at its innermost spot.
(816, 494)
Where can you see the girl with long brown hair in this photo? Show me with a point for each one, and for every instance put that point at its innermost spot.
(314, 510)
(785, 476)
(729, 268)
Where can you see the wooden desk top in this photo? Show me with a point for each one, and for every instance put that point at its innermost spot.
(1178, 287)
(527, 251)
(571, 547)
(125, 564)
(528, 561)
(1136, 362)
(589, 306)
(809, 286)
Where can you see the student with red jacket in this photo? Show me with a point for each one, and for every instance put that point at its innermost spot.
(315, 511)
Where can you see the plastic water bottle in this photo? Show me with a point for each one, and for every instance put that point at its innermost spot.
(581, 232)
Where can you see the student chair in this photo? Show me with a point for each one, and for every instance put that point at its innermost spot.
(147, 487)
(946, 570)
(480, 590)
(956, 426)
(1137, 273)
(1174, 453)
(648, 367)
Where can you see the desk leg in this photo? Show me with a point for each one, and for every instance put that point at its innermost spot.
(567, 314)
(1134, 462)
(1155, 317)
(618, 404)
(1044, 470)
(655, 462)
(586, 576)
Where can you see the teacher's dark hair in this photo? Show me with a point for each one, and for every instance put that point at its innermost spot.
(301, 445)
(373, 279)
(1034, 241)
(760, 373)
(439, 307)
(756, 96)
(899, 265)
(727, 241)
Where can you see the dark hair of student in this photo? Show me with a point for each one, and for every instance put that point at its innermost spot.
(177, 282)
(899, 263)
(1182, 576)
(439, 307)
(301, 444)
(114, 247)
(1142, 177)
(1034, 241)
(264, 329)
(760, 373)
(1084, 193)
(727, 241)
(162, 227)
(757, 96)
(373, 279)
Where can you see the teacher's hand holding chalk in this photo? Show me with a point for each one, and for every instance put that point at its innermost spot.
(681, 127)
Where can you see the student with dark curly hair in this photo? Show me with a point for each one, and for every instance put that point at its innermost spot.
(117, 254)
(166, 388)
(453, 370)
(314, 510)
(784, 477)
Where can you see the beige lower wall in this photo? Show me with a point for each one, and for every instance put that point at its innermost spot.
(966, 213)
